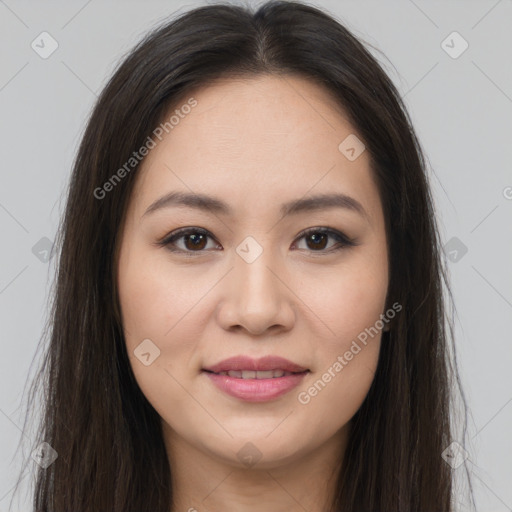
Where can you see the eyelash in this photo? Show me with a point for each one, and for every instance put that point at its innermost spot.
(342, 240)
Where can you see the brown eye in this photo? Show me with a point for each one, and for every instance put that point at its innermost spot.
(317, 240)
(193, 240)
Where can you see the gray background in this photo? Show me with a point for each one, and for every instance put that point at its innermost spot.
(461, 108)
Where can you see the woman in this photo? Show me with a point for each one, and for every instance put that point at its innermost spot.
(248, 312)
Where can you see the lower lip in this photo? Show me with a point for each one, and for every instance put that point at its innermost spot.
(256, 390)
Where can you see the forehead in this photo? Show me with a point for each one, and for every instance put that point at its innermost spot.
(276, 111)
(273, 135)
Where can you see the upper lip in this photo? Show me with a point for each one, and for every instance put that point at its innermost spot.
(248, 363)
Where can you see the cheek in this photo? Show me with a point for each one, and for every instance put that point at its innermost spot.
(336, 392)
(345, 302)
(347, 310)
(142, 303)
(144, 299)
(162, 304)
(155, 298)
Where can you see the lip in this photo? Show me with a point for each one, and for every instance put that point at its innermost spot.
(256, 390)
(262, 364)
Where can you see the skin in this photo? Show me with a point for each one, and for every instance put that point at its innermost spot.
(254, 143)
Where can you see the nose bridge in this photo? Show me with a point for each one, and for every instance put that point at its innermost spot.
(258, 297)
(252, 270)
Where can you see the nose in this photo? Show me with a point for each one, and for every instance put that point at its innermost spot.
(257, 297)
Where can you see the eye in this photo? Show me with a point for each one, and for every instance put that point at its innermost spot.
(195, 240)
(316, 239)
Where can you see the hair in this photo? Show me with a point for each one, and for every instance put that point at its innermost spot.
(108, 437)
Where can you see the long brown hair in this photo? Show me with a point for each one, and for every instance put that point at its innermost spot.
(111, 455)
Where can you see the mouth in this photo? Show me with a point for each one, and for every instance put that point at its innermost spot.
(255, 386)
(255, 380)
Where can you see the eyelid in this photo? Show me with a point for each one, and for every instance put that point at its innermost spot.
(339, 236)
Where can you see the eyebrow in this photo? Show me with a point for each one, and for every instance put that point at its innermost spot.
(217, 206)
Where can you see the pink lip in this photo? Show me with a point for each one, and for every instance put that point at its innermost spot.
(262, 364)
(255, 390)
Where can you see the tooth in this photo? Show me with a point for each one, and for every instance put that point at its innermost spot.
(265, 374)
(251, 374)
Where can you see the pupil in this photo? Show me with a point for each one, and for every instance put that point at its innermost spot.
(315, 240)
(196, 241)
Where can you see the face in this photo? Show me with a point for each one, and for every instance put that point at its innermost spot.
(254, 275)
